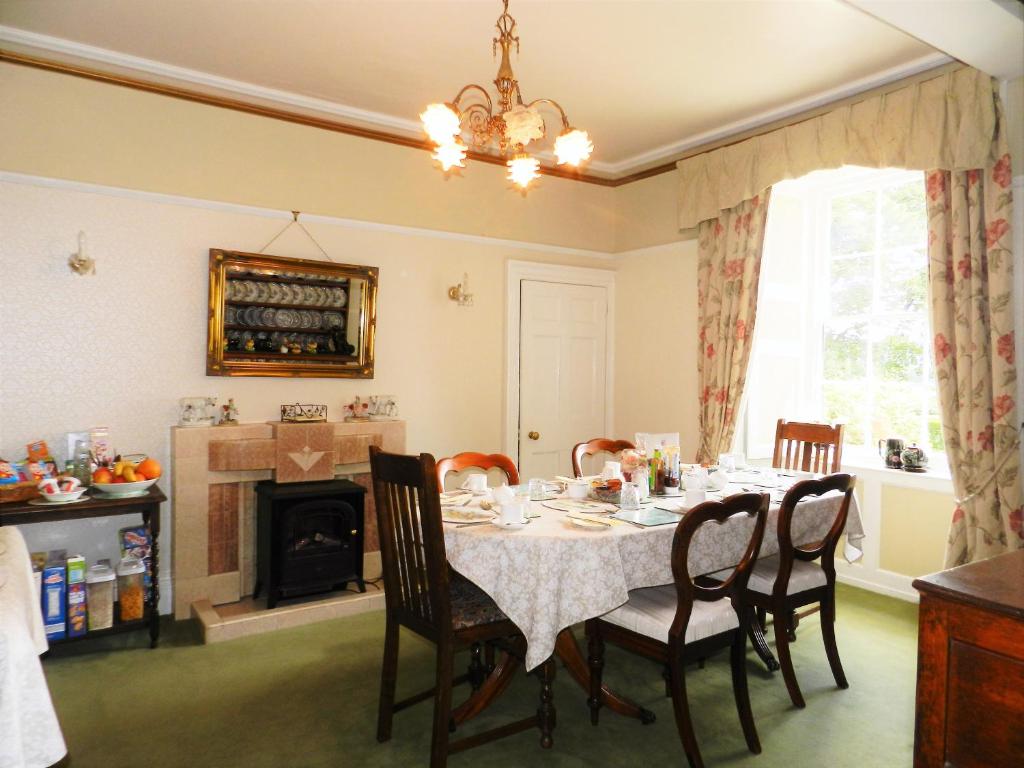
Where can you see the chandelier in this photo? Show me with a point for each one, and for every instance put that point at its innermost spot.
(508, 126)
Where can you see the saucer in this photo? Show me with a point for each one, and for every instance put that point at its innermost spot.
(510, 526)
(40, 502)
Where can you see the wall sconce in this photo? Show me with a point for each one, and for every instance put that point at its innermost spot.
(460, 293)
(80, 263)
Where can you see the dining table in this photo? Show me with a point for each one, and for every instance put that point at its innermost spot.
(576, 559)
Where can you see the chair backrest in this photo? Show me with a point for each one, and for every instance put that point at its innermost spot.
(471, 460)
(597, 445)
(411, 541)
(687, 590)
(807, 447)
(824, 548)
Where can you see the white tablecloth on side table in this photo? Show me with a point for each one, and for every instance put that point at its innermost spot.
(30, 735)
(551, 574)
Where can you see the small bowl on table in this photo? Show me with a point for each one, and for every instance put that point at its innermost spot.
(62, 496)
(609, 495)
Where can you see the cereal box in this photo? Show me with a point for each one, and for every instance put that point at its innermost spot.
(55, 595)
(135, 542)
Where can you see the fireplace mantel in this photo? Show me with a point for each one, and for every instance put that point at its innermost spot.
(212, 500)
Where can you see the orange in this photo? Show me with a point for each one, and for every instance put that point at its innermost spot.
(150, 468)
(103, 475)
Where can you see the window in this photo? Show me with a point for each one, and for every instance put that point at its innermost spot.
(842, 329)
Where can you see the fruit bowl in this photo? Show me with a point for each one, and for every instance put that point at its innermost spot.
(124, 489)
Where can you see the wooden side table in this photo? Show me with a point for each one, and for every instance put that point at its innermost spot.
(23, 513)
(970, 666)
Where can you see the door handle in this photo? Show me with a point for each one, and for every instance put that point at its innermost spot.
(533, 435)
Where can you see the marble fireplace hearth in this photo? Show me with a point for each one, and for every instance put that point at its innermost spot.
(213, 511)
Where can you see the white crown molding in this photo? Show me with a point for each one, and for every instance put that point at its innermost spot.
(272, 213)
(177, 74)
(667, 151)
(411, 128)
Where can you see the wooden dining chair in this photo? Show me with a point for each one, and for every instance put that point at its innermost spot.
(420, 596)
(597, 445)
(688, 620)
(801, 575)
(472, 460)
(808, 447)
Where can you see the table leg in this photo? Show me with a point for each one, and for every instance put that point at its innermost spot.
(760, 643)
(492, 687)
(151, 519)
(568, 650)
(546, 710)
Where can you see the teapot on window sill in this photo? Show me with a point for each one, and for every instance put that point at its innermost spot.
(914, 459)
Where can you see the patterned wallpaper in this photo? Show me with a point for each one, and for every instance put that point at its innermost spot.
(119, 348)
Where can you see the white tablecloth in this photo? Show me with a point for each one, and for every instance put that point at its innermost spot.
(552, 574)
(30, 735)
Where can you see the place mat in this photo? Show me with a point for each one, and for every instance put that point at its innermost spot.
(572, 505)
(647, 517)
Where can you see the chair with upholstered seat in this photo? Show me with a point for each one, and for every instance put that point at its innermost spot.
(594, 446)
(473, 460)
(800, 575)
(808, 447)
(687, 621)
(421, 595)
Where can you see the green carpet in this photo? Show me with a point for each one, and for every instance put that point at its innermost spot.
(307, 697)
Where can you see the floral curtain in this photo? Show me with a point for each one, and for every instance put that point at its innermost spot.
(972, 312)
(728, 270)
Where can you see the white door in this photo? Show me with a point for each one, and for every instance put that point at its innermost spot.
(562, 368)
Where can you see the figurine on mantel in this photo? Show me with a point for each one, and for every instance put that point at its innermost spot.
(229, 413)
(357, 410)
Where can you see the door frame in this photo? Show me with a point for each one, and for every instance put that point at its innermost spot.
(517, 271)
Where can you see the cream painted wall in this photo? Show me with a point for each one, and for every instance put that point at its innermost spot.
(1014, 104)
(645, 213)
(915, 525)
(67, 127)
(119, 348)
(656, 332)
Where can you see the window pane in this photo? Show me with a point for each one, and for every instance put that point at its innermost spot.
(853, 222)
(900, 356)
(904, 221)
(846, 403)
(846, 347)
(935, 438)
(904, 285)
(851, 285)
(897, 411)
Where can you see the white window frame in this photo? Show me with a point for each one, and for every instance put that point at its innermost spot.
(814, 310)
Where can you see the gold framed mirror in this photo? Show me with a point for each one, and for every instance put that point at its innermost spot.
(276, 316)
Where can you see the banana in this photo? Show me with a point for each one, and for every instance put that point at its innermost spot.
(128, 473)
(119, 468)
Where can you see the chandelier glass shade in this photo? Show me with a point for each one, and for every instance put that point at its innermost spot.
(506, 125)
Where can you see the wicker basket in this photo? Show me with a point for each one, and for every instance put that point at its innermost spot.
(18, 492)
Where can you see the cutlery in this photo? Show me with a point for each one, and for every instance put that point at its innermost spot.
(590, 520)
(478, 522)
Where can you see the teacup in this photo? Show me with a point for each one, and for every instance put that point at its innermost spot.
(578, 489)
(512, 513)
(476, 483)
(695, 496)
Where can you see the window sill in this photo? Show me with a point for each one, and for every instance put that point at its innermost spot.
(936, 478)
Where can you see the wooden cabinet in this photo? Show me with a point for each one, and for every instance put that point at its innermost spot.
(970, 668)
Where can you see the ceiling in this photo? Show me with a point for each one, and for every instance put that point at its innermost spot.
(646, 78)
